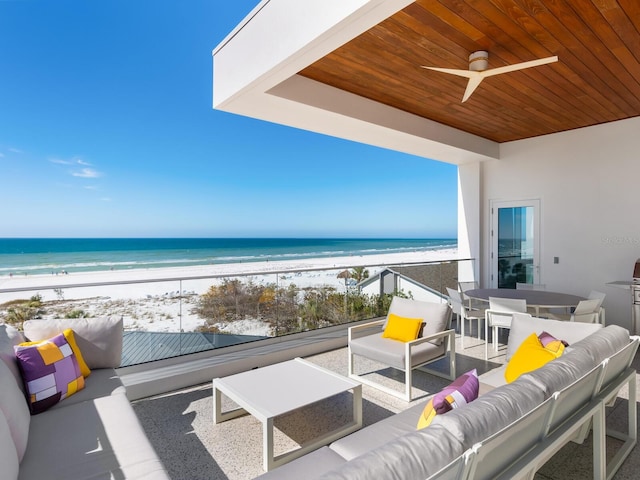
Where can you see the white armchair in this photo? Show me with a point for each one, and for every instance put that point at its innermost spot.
(435, 341)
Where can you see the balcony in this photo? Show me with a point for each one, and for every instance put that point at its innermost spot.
(168, 369)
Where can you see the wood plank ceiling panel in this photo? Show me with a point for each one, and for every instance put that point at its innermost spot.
(596, 80)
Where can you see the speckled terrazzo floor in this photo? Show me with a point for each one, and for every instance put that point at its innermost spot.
(180, 424)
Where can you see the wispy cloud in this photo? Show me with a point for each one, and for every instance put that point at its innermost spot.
(82, 162)
(15, 150)
(106, 199)
(91, 187)
(59, 161)
(86, 173)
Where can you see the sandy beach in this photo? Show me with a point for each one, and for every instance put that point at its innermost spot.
(152, 302)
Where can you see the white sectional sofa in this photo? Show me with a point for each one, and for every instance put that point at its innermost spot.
(510, 430)
(92, 434)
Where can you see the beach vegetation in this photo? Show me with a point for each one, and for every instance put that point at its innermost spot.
(76, 313)
(22, 310)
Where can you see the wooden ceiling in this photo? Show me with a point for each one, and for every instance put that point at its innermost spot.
(596, 80)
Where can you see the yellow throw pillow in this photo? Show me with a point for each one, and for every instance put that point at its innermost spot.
(71, 339)
(530, 356)
(402, 329)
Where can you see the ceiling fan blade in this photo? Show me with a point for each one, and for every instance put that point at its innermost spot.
(471, 87)
(454, 71)
(518, 66)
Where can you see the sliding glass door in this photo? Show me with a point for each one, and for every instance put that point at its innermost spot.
(515, 243)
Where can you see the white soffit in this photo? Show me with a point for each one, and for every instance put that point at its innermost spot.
(255, 71)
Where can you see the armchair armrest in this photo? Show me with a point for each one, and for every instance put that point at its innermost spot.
(356, 329)
(451, 334)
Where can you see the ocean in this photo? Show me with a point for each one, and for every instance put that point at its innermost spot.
(31, 256)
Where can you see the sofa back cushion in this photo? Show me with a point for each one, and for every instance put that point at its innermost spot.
(8, 456)
(9, 337)
(99, 339)
(491, 412)
(523, 325)
(14, 407)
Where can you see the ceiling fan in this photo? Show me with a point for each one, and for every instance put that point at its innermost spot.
(478, 63)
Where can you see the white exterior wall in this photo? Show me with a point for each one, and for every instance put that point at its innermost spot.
(587, 181)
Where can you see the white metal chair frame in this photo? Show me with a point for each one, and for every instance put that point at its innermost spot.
(499, 315)
(465, 313)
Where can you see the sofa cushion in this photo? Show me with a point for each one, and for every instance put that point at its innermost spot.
(416, 455)
(15, 410)
(102, 382)
(315, 463)
(8, 456)
(491, 412)
(391, 352)
(463, 390)
(106, 441)
(10, 337)
(523, 325)
(50, 372)
(604, 343)
(377, 434)
(99, 339)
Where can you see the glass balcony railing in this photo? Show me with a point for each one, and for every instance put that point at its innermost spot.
(169, 317)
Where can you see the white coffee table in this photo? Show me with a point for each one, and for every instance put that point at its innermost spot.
(275, 390)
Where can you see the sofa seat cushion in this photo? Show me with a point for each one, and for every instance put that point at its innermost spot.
(99, 339)
(101, 383)
(101, 438)
(13, 406)
(416, 455)
(312, 464)
(491, 412)
(391, 352)
(379, 433)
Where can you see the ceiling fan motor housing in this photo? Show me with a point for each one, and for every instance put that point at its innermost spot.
(479, 61)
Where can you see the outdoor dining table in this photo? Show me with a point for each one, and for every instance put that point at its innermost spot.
(536, 299)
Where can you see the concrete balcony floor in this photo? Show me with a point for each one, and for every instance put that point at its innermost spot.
(180, 424)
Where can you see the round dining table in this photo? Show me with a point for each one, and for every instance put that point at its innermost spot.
(536, 299)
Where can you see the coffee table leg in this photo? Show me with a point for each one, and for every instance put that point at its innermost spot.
(218, 415)
(267, 442)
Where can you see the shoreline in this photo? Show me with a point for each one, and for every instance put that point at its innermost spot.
(155, 275)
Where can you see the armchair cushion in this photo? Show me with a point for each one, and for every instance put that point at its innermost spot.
(402, 329)
(435, 315)
(392, 353)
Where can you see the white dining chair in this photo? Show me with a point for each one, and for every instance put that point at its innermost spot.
(470, 285)
(465, 313)
(587, 311)
(599, 295)
(499, 315)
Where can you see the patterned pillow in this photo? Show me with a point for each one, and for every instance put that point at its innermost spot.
(463, 390)
(50, 372)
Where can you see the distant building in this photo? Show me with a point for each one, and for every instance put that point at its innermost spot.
(420, 282)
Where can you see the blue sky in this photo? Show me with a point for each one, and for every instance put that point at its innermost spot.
(107, 130)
